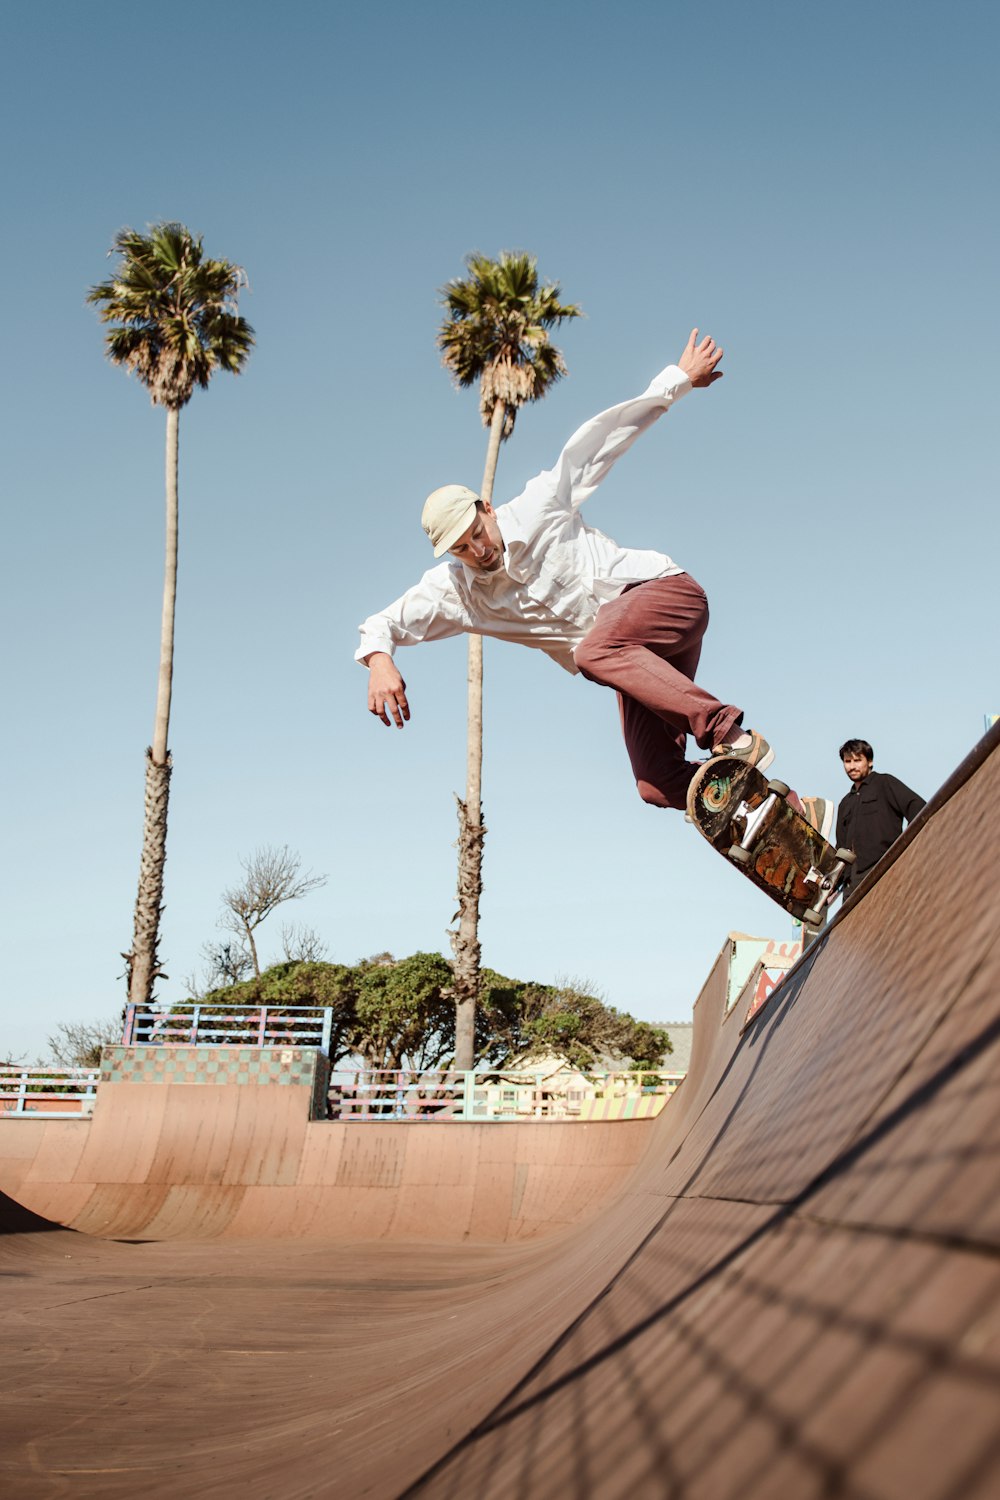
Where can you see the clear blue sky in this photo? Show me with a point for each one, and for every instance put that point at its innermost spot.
(815, 186)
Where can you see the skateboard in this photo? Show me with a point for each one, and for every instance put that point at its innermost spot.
(749, 819)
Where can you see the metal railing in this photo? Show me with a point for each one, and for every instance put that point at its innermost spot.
(230, 1025)
(356, 1094)
(48, 1091)
(405, 1095)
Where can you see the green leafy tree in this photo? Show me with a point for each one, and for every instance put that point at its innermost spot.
(496, 335)
(568, 1019)
(588, 1033)
(501, 1006)
(405, 1012)
(174, 322)
(400, 1014)
(389, 1013)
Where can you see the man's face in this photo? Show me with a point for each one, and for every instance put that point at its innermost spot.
(481, 546)
(857, 766)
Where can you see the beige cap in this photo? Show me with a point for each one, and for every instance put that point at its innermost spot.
(447, 513)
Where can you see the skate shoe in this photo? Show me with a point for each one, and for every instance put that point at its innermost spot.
(819, 812)
(758, 753)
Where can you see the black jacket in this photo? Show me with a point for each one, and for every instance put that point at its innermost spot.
(870, 818)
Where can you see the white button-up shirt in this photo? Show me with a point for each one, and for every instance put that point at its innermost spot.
(557, 572)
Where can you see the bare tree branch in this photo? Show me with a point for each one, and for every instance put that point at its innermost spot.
(302, 945)
(226, 964)
(77, 1044)
(271, 877)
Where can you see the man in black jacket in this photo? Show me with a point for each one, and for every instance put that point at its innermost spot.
(871, 816)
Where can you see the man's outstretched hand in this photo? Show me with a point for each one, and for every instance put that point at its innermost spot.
(699, 360)
(386, 690)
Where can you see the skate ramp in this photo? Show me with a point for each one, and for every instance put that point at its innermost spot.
(213, 1160)
(796, 1292)
(816, 1308)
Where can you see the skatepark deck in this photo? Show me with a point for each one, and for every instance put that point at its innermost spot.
(787, 1285)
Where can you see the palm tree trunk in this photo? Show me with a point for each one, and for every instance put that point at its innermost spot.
(164, 686)
(471, 829)
(493, 450)
(142, 964)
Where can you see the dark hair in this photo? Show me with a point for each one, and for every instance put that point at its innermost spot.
(857, 747)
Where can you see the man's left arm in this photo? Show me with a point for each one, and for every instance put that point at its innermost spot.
(596, 446)
(906, 802)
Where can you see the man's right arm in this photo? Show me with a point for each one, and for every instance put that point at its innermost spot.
(429, 611)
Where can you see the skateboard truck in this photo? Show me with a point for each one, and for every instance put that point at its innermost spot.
(828, 885)
(756, 820)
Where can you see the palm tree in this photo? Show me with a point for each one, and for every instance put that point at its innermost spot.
(497, 333)
(175, 323)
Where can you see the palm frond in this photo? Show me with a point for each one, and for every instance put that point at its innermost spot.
(174, 313)
(496, 331)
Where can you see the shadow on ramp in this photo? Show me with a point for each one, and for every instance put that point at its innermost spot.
(16, 1219)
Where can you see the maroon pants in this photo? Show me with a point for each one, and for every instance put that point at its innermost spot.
(646, 644)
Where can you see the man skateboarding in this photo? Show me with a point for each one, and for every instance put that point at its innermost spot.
(870, 818)
(532, 572)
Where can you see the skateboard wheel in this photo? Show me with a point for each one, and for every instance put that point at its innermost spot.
(846, 856)
(779, 788)
(740, 856)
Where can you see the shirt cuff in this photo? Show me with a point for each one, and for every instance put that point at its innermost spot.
(370, 643)
(671, 384)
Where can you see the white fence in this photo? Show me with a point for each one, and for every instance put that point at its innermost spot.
(505, 1094)
(401, 1095)
(48, 1091)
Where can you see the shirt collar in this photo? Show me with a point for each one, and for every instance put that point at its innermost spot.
(474, 576)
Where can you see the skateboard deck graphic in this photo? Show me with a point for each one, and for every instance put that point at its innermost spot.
(748, 819)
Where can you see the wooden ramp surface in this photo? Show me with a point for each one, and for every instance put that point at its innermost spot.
(794, 1291)
(162, 1161)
